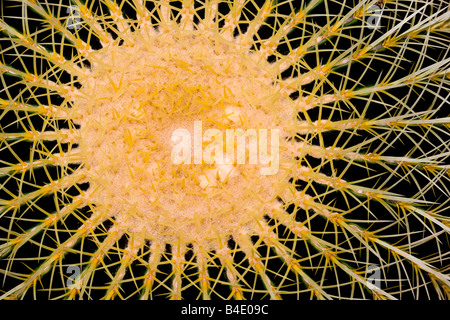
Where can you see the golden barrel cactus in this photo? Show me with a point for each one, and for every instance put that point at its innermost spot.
(234, 149)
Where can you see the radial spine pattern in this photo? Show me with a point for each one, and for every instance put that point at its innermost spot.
(224, 149)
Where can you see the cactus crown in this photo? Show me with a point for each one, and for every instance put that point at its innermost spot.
(352, 203)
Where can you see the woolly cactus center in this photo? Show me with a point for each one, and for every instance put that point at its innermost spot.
(142, 92)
